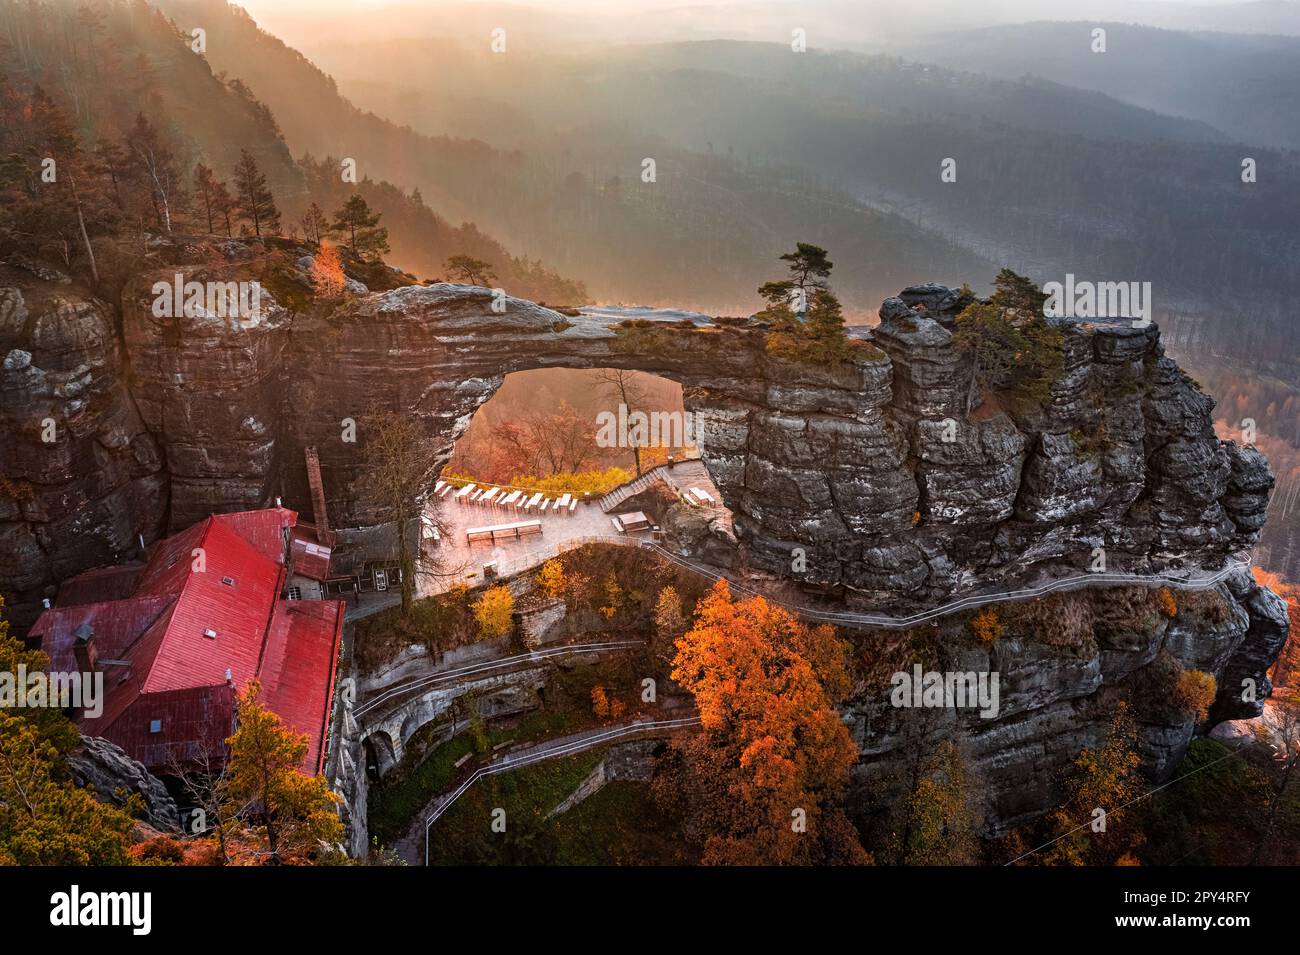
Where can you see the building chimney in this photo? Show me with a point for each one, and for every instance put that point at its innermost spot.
(319, 514)
(83, 648)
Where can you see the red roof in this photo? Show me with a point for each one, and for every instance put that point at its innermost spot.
(264, 529)
(207, 604)
(292, 665)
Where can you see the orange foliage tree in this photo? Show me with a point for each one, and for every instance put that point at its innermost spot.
(327, 278)
(297, 813)
(763, 780)
(1105, 778)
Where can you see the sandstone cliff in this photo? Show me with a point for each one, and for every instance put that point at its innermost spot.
(874, 473)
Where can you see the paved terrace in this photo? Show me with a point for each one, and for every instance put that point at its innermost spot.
(561, 532)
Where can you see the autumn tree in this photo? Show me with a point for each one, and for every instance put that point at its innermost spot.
(1104, 778)
(327, 278)
(762, 781)
(254, 199)
(669, 619)
(934, 819)
(551, 579)
(397, 467)
(297, 813)
(625, 387)
(1195, 692)
(366, 238)
(470, 270)
(494, 611)
(156, 164)
(670, 622)
(545, 442)
(44, 818)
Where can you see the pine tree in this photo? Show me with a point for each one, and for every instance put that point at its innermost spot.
(205, 195)
(314, 224)
(365, 236)
(254, 199)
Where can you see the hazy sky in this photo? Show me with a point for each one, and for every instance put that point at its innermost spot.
(859, 24)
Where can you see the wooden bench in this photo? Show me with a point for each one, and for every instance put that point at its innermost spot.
(500, 532)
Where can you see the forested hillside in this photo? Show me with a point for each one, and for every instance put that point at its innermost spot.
(697, 237)
(144, 136)
(1048, 178)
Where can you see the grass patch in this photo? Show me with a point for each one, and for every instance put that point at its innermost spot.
(464, 836)
(620, 825)
(396, 800)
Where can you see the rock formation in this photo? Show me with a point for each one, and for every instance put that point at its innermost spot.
(115, 777)
(874, 474)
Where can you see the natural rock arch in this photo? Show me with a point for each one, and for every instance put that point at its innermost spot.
(849, 469)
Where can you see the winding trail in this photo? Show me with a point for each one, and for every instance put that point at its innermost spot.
(433, 680)
(408, 846)
(1182, 580)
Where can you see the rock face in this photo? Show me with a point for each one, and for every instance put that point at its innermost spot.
(1056, 698)
(873, 470)
(106, 767)
(81, 476)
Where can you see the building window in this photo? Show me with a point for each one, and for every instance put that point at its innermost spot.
(295, 593)
(155, 726)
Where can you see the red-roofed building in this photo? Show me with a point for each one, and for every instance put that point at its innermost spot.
(204, 616)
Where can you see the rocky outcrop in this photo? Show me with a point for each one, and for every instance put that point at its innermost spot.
(877, 476)
(115, 777)
(875, 472)
(1057, 695)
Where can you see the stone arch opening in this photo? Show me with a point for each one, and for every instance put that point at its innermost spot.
(799, 455)
(380, 754)
(563, 420)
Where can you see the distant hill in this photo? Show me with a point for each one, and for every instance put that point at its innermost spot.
(704, 235)
(1244, 85)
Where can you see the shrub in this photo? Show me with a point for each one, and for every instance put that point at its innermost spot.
(493, 611)
(1195, 693)
(594, 483)
(1061, 620)
(1168, 605)
(670, 622)
(599, 702)
(986, 626)
(551, 579)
